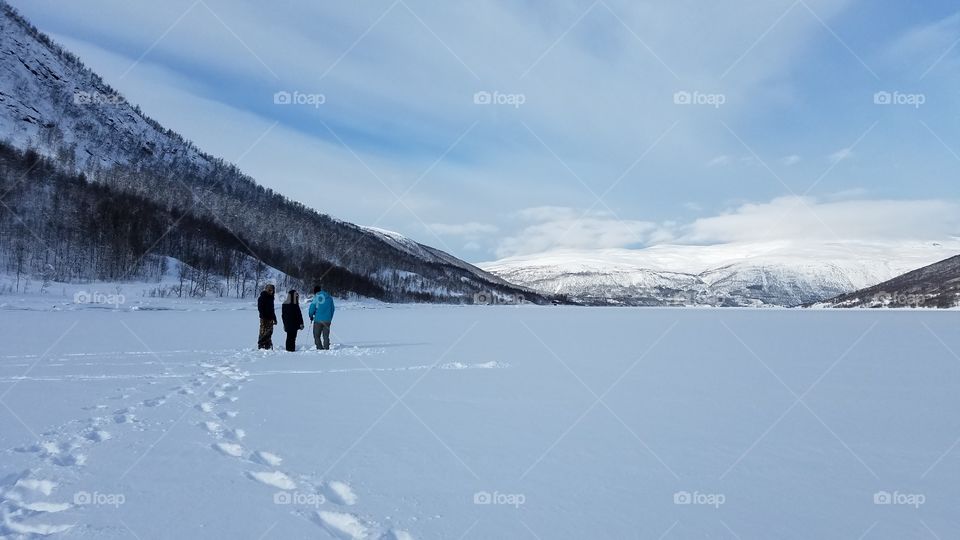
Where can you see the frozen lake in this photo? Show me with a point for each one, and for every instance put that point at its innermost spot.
(481, 422)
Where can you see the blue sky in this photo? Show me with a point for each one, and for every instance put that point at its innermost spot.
(592, 143)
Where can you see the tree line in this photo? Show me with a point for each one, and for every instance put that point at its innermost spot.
(58, 226)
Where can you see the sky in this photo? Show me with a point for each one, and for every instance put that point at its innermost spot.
(501, 128)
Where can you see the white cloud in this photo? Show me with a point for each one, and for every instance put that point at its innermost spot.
(719, 160)
(927, 48)
(805, 218)
(550, 228)
(840, 155)
(782, 219)
(791, 160)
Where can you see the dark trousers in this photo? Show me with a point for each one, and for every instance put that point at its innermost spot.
(265, 341)
(292, 340)
(321, 334)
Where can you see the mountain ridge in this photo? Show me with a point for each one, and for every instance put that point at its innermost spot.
(780, 273)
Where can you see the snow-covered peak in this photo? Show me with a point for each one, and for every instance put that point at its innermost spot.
(780, 273)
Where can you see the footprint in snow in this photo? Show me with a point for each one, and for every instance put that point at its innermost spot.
(229, 449)
(21, 506)
(45, 487)
(98, 435)
(267, 458)
(70, 460)
(274, 479)
(339, 493)
(155, 402)
(342, 525)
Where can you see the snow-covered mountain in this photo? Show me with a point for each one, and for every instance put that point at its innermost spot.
(935, 286)
(754, 274)
(52, 104)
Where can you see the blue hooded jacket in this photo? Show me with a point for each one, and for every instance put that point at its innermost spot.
(321, 307)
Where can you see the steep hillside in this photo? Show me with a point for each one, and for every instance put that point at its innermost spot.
(51, 103)
(936, 286)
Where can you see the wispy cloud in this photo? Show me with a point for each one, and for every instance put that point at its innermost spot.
(550, 228)
(791, 160)
(802, 219)
(718, 161)
(806, 218)
(840, 155)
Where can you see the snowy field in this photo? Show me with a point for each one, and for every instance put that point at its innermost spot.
(479, 422)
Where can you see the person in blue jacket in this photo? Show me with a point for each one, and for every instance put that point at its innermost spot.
(321, 313)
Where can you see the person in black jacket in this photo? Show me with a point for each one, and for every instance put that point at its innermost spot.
(268, 317)
(292, 318)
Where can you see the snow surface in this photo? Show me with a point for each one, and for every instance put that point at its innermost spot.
(478, 422)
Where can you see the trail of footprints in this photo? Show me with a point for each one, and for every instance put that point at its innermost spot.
(28, 501)
(228, 442)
